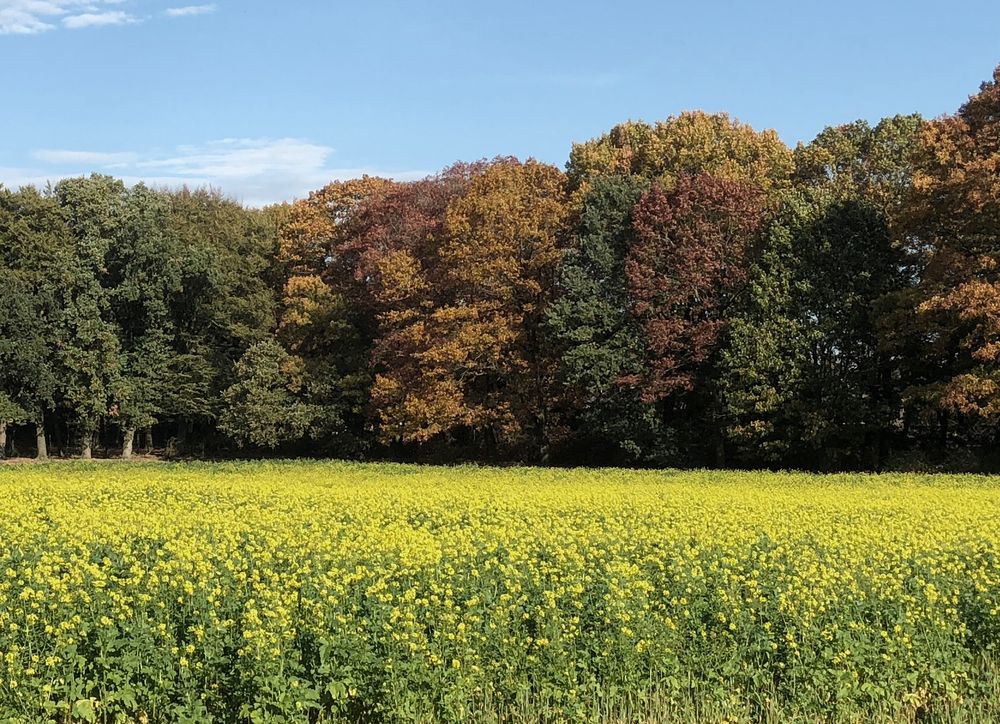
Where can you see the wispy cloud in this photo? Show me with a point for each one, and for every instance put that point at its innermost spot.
(90, 20)
(30, 17)
(13, 177)
(91, 158)
(189, 10)
(256, 171)
(242, 157)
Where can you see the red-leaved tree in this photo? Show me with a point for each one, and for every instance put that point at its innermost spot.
(689, 262)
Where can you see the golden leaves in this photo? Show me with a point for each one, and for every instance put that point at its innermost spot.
(457, 356)
(690, 143)
(311, 228)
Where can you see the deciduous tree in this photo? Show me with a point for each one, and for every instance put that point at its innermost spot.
(35, 248)
(262, 406)
(954, 220)
(688, 144)
(88, 348)
(600, 342)
(689, 263)
(478, 357)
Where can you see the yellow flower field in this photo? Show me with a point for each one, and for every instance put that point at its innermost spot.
(280, 592)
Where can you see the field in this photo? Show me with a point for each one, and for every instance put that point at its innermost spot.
(281, 592)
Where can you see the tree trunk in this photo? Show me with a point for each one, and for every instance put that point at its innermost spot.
(180, 444)
(718, 420)
(58, 441)
(943, 431)
(542, 421)
(88, 445)
(884, 444)
(43, 450)
(3, 439)
(148, 443)
(129, 440)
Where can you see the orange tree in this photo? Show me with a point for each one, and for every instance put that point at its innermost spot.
(463, 350)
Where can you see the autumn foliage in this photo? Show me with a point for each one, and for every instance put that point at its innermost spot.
(955, 212)
(688, 265)
(687, 292)
(465, 351)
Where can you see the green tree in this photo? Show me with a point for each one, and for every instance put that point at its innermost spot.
(26, 383)
(600, 342)
(87, 346)
(765, 357)
(222, 303)
(143, 279)
(318, 328)
(810, 376)
(263, 406)
(870, 165)
(35, 249)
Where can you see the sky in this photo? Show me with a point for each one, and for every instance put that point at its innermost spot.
(269, 99)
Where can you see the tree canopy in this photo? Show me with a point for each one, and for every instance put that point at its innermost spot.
(687, 292)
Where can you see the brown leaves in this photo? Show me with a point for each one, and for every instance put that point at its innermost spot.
(971, 394)
(503, 238)
(314, 227)
(976, 305)
(431, 364)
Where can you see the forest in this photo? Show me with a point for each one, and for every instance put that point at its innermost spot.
(691, 292)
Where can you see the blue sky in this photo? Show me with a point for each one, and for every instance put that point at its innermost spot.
(268, 100)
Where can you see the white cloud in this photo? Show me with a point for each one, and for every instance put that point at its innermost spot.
(254, 170)
(16, 22)
(242, 157)
(189, 10)
(13, 177)
(92, 158)
(89, 20)
(30, 17)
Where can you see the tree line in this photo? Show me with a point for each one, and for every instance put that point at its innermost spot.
(689, 292)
